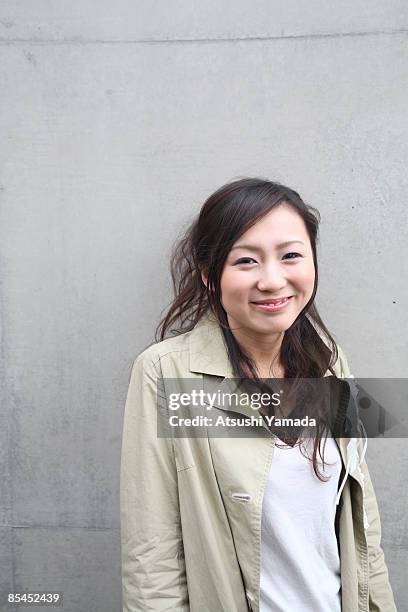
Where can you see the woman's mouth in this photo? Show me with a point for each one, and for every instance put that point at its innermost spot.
(272, 305)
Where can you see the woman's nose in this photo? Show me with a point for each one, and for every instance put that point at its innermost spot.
(271, 279)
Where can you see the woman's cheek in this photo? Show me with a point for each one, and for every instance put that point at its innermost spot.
(305, 274)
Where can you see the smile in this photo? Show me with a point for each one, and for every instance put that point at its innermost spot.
(273, 306)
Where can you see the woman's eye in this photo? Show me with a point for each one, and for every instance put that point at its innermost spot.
(249, 260)
(294, 255)
(244, 260)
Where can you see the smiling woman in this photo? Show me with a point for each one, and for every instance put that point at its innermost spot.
(243, 522)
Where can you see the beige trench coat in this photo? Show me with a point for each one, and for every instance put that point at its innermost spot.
(188, 543)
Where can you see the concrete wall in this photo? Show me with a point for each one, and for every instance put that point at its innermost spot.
(117, 120)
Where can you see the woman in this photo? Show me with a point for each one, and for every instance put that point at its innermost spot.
(244, 522)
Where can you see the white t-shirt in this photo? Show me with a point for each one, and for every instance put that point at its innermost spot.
(300, 564)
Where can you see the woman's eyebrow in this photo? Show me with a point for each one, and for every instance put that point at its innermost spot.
(252, 247)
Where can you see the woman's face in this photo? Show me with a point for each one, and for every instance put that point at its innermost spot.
(259, 267)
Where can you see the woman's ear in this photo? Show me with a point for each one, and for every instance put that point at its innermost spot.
(204, 277)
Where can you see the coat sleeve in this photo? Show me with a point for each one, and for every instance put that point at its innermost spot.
(380, 593)
(153, 568)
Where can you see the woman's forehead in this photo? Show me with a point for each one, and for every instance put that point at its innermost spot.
(279, 226)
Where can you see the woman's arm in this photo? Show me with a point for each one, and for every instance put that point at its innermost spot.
(380, 594)
(153, 569)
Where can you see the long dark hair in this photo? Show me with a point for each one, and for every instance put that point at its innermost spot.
(227, 214)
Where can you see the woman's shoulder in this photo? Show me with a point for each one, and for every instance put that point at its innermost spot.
(195, 350)
(172, 346)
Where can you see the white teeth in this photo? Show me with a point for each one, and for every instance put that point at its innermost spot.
(283, 301)
(275, 303)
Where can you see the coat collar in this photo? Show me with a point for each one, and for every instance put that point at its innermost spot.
(208, 351)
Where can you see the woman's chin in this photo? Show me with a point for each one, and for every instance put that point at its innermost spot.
(270, 327)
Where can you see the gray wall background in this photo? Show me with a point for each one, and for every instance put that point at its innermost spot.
(118, 119)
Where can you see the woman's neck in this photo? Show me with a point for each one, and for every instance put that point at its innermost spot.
(263, 350)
